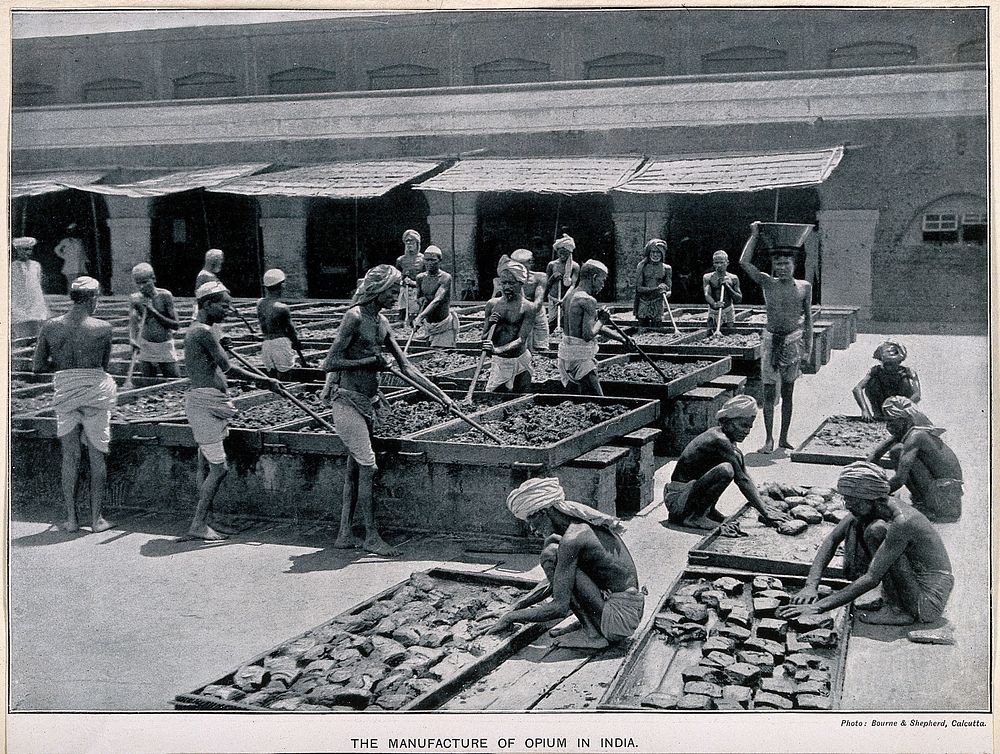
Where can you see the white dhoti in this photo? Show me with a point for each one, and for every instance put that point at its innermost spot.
(539, 337)
(443, 334)
(277, 353)
(504, 371)
(576, 358)
(408, 299)
(85, 397)
(209, 411)
(157, 353)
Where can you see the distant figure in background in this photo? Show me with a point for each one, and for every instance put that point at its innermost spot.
(561, 275)
(534, 291)
(214, 259)
(280, 337)
(152, 322)
(411, 264)
(434, 296)
(72, 250)
(722, 290)
(28, 309)
(885, 380)
(77, 347)
(652, 283)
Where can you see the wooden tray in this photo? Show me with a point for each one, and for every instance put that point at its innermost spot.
(462, 378)
(809, 451)
(651, 656)
(691, 347)
(614, 347)
(674, 388)
(433, 698)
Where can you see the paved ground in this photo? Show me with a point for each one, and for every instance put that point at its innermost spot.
(126, 619)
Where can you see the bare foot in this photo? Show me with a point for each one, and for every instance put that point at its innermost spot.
(223, 528)
(580, 639)
(567, 629)
(701, 523)
(375, 544)
(785, 444)
(101, 525)
(873, 604)
(767, 447)
(69, 526)
(888, 616)
(207, 533)
(347, 541)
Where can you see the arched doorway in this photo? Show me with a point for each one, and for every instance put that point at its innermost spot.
(184, 226)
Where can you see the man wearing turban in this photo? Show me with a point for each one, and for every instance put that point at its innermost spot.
(924, 463)
(788, 336)
(281, 341)
(589, 569)
(434, 300)
(652, 283)
(885, 380)
(562, 274)
(534, 291)
(907, 556)
(353, 364)
(410, 263)
(28, 309)
(709, 464)
(722, 290)
(152, 323)
(507, 328)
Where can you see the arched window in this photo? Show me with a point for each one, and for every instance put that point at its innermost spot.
(113, 90)
(302, 80)
(511, 71)
(956, 219)
(32, 94)
(205, 84)
(973, 51)
(403, 77)
(743, 59)
(625, 65)
(872, 55)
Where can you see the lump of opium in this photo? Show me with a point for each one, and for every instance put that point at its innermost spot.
(792, 528)
(340, 675)
(703, 673)
(392, 681)
(378, 611)
(770, 646)
(251, 677)
(342, 656)
(392, 701)
(794, 500)
(694, 612)
(227, 693)
(728, 584)
(765, 700)
(772, 628)
(813, 701)
(690, 590)
(297, 647)
(736, 633)
(739, 616)
(694, 701)
(306, 684)
(813, 687)
(809, 622)
(778, 594)
(711, 598)
(836, 516)
(322, 667)
(658, 700)
(406, 635)
(764, 607)
(419, 659)
(721, 659)
(767, 582)
(316, 653)
(387, 625)
(435, 637)
(388, 651)
(806, 513)
(704, 688)
(718, 644)
(763, 660)
(805, 660)
(742, 673)
(333, 694)
(824, 492)
(737, 694)
(259, 698)
(286, 703)
(421, 582)
(793, 645)
(820, 637)
(727, 605)
(780, 686)
(815, 500)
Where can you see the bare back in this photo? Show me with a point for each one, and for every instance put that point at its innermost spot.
(73, 342)
(580, 313)
(924, 547)
(275, 318)
(602, 555)
(534, 289)
(933, 453)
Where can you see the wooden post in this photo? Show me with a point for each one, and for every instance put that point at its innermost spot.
(454, 251)
(97, 240)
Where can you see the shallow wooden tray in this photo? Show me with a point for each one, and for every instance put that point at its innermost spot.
(810, 452)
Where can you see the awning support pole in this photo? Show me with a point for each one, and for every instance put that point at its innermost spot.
(777, 193)
(24, 215)
(555, 236)
(204, 217)
(358, 272)
(97, 240)
(454, 251)
(257, 244)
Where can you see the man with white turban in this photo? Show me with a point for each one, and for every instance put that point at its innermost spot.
(28, 309)
(709, 464)
(534, 292)
(77, 347)
(353, 364)
(886, 379)
(507, 327)
(907, 556)
(561, 274)
(434, 296)
(722, 290)
(152, 323)
(924, 463)
(280, 336)
(589, 569)
(653, 282)
(410, 263)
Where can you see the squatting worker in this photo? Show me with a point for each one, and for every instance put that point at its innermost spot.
(77, 347)
(583, 323)
(908, 557)
(923, 462)
(152, 323)
(887, 378)
(281, 341)
(709, 464)
(788, 337)
(653, 283)
(534, 292)
(589, 569)
(434, 302)
(207, 405)
(512, 319)
(28, 309)
(722, 290)
(561, 274)
(410, 263)
(353, 363)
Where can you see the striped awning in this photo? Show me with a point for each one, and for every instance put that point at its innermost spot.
(335, 180)
(734, 172)
(36, 184)
(540, 175)
(178, 181)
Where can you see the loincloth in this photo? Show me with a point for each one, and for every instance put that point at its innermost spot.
(622, 613)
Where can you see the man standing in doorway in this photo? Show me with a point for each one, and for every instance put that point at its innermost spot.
(28, 309)
(72, 250)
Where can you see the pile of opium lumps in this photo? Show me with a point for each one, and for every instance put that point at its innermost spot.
(750, 659)
(168, 402)
(280, 411)
(444, 361)
(384, 657)
(656, 338)
(406, 418)
(537, 426)
(22, 405)
(731, 340)
(852, 433)
(640, 371)
(317, 333)
(313, 354)
(806, 505)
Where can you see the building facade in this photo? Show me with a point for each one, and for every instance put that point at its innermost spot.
(900, 94)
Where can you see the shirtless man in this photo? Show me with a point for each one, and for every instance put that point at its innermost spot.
(653, 282)
(534, 292)
(207, 404)
(886, 379)
(589, 570)
(77, 347)
(788, 337)
(924, 464)
(209, 273)
(709, 464)
(908, 557)
(722, 290)
(411, 264)
(512, 319)
(276, 326)
(151, 325)
(561, 274)
(353, 363)
(434, 300)
(582, 324)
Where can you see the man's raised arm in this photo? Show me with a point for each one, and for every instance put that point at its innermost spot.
(747, 255)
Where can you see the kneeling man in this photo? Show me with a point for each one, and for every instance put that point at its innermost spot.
(589, 570)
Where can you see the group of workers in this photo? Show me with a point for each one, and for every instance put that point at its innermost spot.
(590, 572)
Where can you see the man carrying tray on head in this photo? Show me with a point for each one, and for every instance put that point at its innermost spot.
(434, 295)
(352, 389)
(77, 346)
(280, 337)
(788, 336)
(512, 318)
(589, 569)
(709, 464)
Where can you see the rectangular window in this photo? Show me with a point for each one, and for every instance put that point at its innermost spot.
(974, 228)
(180, 230)
(941, 228)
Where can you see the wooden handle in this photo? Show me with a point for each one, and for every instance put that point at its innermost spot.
(479, 366)
(666, 300)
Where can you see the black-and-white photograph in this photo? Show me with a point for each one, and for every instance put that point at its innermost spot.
(599, 361)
